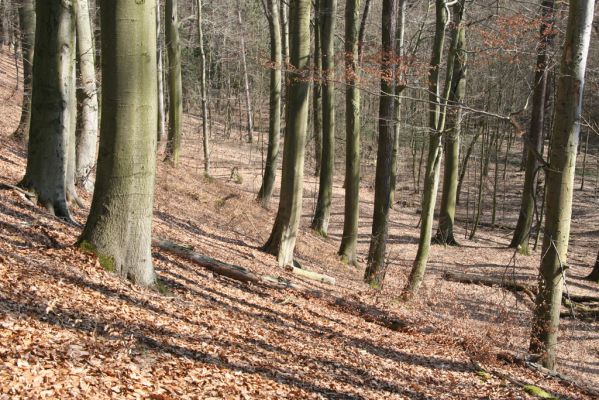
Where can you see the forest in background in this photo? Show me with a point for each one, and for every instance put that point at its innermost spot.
(453, 147)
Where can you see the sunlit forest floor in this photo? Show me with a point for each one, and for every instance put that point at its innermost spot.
(68, 329)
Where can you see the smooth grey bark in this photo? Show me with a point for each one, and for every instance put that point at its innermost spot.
(204, 92)
(433, 162)
(175, 90)
(87, 104)
(351, 213)
(50, 154)
(27, 25)
(317, 90)
(160, 75)
(246, 79)
(560, 182)
(322, 214)
(274, 120)
(376, 267)
(445, 233)
(284, 232)
(119, 225)
(535, 137)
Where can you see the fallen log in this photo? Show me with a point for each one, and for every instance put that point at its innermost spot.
(507, 284)
(218, 267)
(315, 276)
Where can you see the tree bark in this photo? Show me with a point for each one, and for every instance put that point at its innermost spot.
(445, 234)
(433, 163)
(535, 135)
(204, 91)
(27, 25)
(317, 90)
(560, 182)
(322, 214)
(246, 79)
(376, 268)
(594, 275)
(87, 112)
(347, 250)
(274, 121)
(160, 75)
(175, 110)
(119, 225)
(53, 109)
(284, 232)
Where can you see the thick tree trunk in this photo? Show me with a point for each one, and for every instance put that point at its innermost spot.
(246, 79)
(535, 134)
(284, 232)
(53, 109)
(347, 250)
(317, 91)
(274, 121)
(27, 25)
(376, 268)
(204, 91)
(119, 226)
(87, 112)
(560, 182)
(322, 214)
(160, 75)
(175, 94)
(457, 93)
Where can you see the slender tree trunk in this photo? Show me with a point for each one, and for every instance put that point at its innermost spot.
(376, 268)
(535, 135)
(317, 90)
(27, 24)
(347, 250)
(175, 91)
(87, 112)
(284, 13)
(322, 214)
(203, 89)
(399, 88)
(53, 109)
(560, 182)
(246, 79)
(5, 11)
(119, 226)
(284, 232)
(362, 31)
(457, 93)
(433, 163)
(274, 121)
(160, 74)
(464, 166)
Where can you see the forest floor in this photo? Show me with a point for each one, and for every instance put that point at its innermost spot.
(68, 329)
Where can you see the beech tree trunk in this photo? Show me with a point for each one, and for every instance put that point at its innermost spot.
(351, 213)
(50, 156)
(160, 75)
(284, 232)
(376, 268)
(246, 79)
(457, 93)
(204, 91)
(560, 182)
(535, 135)
(274, 121)
(87, 112)
(119, 226)
(175, 91)
(27, 25)
(322, 214)
(594, 275)
(317, 90)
